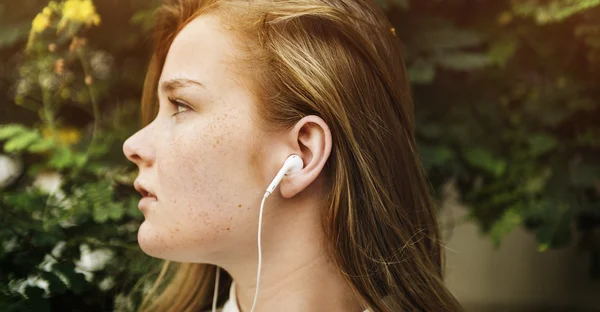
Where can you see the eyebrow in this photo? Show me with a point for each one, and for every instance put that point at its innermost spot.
(172, 84)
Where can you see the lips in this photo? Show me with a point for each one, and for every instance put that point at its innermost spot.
(145, 203)
(148, 196)
(144, 190)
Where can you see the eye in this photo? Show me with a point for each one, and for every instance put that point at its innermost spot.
(179, 105)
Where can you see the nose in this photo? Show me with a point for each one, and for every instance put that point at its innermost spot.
(138, 150)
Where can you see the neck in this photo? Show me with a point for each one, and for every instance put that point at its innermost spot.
(296, 273)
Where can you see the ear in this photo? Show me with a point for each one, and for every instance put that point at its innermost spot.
(310, 139)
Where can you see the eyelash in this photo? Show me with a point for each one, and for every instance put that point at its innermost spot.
(178, 103)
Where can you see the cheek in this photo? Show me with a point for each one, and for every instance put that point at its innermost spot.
(198, 166)
(193, 171)
(206, 189)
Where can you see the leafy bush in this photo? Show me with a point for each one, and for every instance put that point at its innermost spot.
(507, 108)
(69, 220)
(506, 97)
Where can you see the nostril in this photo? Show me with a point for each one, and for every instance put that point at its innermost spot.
(134, 157)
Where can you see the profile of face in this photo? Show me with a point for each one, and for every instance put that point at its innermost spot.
(198, 156)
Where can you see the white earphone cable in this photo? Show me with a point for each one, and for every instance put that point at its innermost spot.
(262, 205)
(292, 164)
(259, 269)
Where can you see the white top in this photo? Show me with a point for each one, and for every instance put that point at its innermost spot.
(231, 303)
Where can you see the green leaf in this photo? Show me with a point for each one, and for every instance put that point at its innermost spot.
(510, 220)
(21, 141)
(556, 230)
(537, 183)
(115, 211)
(42, 239)
(540, 144)
(41, 146)
(463, 61)
(11, 130)
(435, 155)
(553, 11)
(77, 281)
(79, 159)
(132, 209)
(55, 284)
(61, 158)
(503, 50)
(100, 214)
(421, 72)
(446, 38)
(484, 159)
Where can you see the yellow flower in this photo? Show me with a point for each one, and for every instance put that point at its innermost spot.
(40, 23)
(46, 132)
(53, 5)
(79, 11)
(66, 136)
(69, 136)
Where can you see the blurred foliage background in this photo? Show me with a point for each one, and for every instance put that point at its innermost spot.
(506, 95)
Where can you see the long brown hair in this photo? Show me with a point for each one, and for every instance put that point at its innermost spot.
(340, 60)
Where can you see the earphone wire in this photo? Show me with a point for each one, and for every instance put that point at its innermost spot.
(259, 269)
(216, 293)
(292, 164)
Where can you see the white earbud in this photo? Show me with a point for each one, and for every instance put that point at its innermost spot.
(292, 164)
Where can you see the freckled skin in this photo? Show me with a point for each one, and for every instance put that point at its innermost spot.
(201, 162)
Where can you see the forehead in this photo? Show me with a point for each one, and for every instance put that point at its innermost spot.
(201, 51)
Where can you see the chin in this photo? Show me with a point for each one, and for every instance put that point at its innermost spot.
(158, 244)
(149, 243)
(153, 243)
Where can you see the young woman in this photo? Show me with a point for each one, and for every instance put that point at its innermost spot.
(235, 88)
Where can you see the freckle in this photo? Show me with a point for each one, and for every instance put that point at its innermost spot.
(240, 206)
(227, 229)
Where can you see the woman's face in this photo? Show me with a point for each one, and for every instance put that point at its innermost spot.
(198, 156)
